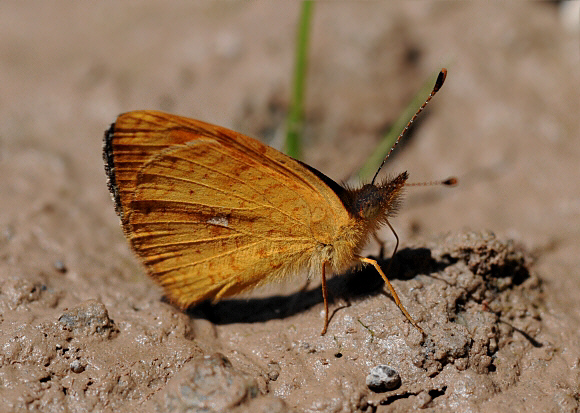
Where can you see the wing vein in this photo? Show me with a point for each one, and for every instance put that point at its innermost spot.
(259, 204)
(194, 263)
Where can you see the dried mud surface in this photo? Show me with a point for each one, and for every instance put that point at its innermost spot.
(489, 269)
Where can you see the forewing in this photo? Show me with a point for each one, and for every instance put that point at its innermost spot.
(212, 212)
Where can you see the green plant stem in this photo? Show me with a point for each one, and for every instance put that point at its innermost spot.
(296, 114)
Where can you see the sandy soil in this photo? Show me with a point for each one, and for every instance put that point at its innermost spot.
(84, 329)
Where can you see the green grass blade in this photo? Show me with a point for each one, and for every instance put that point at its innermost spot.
(294, 122)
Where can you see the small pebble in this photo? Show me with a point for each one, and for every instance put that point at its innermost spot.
(423, 399)
(77, 367)
(383, 378)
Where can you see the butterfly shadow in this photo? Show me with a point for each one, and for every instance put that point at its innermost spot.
(352, 286)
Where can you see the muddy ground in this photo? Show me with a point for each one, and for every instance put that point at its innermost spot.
(490, 269)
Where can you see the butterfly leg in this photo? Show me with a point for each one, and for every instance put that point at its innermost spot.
(325, 297)
(392, 290)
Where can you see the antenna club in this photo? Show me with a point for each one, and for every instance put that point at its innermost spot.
(440, 79)
(452, 181)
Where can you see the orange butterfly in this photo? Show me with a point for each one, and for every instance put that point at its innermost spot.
(212, 213)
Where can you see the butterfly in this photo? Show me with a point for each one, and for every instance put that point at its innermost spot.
(212, 213)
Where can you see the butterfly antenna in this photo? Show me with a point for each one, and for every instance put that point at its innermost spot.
(451, 181)
(396, 247)
(438, 83)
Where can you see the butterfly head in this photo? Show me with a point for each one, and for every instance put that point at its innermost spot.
(374, 203)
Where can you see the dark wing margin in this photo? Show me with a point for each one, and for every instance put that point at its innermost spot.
(110, 169)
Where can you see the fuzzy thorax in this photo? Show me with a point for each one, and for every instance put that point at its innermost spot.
(369, 207)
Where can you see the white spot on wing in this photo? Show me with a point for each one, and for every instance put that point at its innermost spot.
(221, 221)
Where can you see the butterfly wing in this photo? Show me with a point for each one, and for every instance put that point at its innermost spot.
(212, 212)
